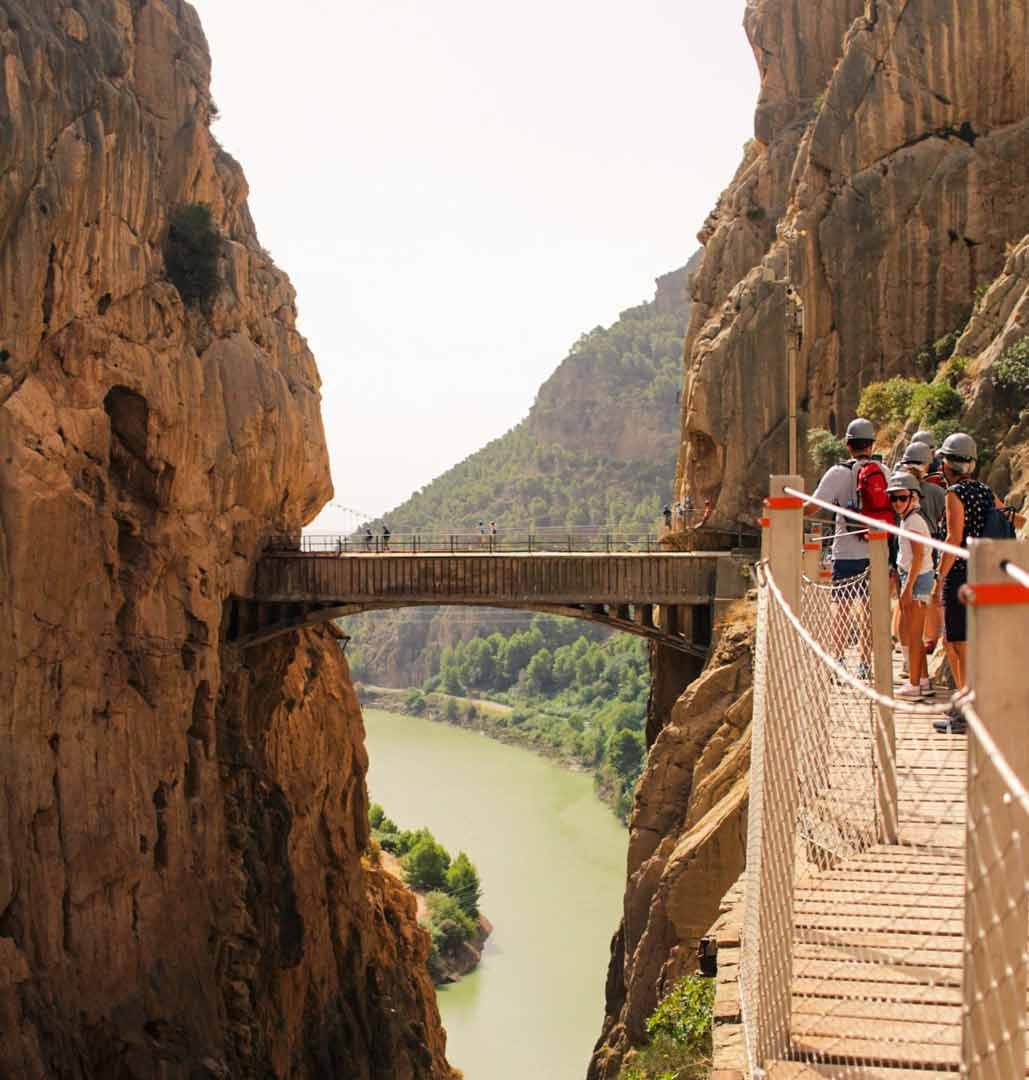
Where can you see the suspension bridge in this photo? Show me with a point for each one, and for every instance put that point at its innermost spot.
(882, 927)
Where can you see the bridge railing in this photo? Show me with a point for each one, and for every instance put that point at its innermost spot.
(920, 959)
(579, 540)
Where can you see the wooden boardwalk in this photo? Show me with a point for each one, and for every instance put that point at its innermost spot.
(878, 938)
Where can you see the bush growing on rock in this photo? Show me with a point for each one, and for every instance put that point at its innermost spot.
(680, 1035)
(1010, 374)
(933, 402)
(191, 252)
(825, 449)
(888, 402)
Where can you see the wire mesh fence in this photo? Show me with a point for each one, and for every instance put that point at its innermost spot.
(854, 948)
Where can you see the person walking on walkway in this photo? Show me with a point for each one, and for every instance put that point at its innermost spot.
(857, 484)
(915, 569)
(969, 502)
(368, 537)
(385, 537)
(917, 460)
(667, 511)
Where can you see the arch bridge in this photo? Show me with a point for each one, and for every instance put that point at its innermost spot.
(670, 598)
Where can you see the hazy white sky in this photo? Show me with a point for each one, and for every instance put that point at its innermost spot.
(459, 188)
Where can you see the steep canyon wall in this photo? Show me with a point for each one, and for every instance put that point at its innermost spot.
(892, 156)
(181, 887)
(888, 180)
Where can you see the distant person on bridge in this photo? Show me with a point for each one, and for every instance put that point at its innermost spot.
(482, 534)
(970, 513)
(668, 516)
(385, 537)
(493, 536)
(857, 484)
(368, 538)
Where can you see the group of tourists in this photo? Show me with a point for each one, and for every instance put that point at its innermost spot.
(930, 494)
(679, 515)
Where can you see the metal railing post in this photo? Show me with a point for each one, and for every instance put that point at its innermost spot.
(996, 907)
(882, 668)
(773, 796)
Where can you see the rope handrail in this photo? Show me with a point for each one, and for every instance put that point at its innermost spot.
(881, 526)
(1016, 572)
(841, 673)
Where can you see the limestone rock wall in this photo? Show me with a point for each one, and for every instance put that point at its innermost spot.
(893, 147)
(687, 840)
(181, 827)
(1001, 320)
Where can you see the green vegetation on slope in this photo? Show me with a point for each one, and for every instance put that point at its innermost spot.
(680, 1035)
(571, 694)
(598, 446)
(452, 885)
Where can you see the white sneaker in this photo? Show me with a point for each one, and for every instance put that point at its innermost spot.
(909, 691)
(926, 687)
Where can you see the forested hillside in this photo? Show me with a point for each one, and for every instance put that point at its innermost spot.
(599, 444)
(597, 448)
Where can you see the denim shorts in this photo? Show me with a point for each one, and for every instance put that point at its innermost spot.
(923, 588)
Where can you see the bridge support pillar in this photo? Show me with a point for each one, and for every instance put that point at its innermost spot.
(671, 671)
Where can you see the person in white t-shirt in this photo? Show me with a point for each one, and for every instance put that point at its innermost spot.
(850, 547)
(915, 569)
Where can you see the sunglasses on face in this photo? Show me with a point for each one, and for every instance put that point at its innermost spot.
(900, 498)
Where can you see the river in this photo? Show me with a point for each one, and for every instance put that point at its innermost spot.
(552, 861)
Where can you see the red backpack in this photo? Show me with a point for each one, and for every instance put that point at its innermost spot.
(871, 498)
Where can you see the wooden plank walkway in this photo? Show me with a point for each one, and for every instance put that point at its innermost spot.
(878, 937)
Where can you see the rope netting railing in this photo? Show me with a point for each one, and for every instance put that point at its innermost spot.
(857, 948)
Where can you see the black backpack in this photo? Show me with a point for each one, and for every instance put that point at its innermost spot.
(998, 524)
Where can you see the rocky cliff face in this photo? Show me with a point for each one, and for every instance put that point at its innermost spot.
(892, 146)
(687, 840)
(888, 179)
(181, 827)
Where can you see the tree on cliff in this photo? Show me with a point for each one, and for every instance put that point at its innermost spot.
(463, 884)
(425, 865)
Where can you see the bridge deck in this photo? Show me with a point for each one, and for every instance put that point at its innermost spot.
(878, 940)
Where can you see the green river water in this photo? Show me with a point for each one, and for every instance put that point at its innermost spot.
(552, 862)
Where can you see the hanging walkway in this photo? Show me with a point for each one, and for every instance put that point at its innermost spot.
(884, 928)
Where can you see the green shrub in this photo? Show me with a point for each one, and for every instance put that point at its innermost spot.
(1010, 374)
(448, 926)
(680, 1034)
(463, 884)
(825, 449)
(426, 863)
(191, 252)
(889, 401)
(954, 370)
(932, 402)
(415, 702)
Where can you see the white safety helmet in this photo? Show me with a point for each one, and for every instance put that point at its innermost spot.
(926, 437)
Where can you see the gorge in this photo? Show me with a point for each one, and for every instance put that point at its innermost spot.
(186, 890)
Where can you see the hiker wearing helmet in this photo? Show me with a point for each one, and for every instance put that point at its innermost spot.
(970, 513)
(858, 484)
(935, 467)
(915, 568)
(917, 460)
